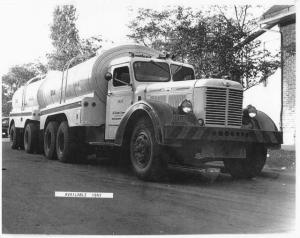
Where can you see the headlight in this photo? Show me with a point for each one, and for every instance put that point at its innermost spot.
(251, 111)
(185, 107)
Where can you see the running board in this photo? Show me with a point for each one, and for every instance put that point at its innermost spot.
(202, 169)
(102, 143)
(186, 168)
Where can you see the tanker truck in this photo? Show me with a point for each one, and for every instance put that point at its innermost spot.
(150, 108)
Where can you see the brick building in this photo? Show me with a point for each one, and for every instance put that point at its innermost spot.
(285, 17)
(282, 90)
(289, 82)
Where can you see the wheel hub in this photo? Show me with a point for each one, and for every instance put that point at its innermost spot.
(142, 150)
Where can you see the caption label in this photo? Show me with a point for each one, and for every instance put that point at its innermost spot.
(83, 195)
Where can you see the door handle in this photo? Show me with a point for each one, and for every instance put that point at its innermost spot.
(109, 93)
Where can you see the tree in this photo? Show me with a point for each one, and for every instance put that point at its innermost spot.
(64, 36)
(207, 40)
(16, 77)
(67, 45)
(66, 41)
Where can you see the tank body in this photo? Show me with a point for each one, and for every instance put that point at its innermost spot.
(25, 98)
(85, 78)
(17, 100)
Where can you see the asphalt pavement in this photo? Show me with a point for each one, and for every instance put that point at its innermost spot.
(186, 203)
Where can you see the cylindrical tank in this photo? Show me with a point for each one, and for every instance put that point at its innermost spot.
(17, 100)
(85, 78)
(30, 93)
(25, 98)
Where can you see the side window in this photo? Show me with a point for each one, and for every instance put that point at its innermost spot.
(121, 76)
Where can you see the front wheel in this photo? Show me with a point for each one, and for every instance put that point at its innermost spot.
(145, 153)
(249, 167)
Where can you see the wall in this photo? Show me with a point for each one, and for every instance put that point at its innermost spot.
(289, 84)
(266, 98)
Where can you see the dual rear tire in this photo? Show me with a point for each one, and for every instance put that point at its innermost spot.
(28, 139)
(50, 135)
(15, 137)
(63, 143)
(31, 142)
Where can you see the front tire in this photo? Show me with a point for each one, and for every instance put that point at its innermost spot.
(249, 167)
(145, 153)
(31, 138)
(50, 140)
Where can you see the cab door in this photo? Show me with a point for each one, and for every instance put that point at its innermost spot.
(119, 98)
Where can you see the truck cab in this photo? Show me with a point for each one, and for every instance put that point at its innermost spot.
(137, 77)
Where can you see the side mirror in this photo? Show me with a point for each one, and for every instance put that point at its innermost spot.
(108, 76)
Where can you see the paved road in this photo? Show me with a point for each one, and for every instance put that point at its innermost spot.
(186, 204)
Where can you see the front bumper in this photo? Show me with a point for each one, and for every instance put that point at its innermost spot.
(181, 133)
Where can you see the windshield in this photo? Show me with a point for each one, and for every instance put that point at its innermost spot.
(151, 71)
(182, 73)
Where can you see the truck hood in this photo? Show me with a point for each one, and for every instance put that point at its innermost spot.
(190, 84)
(212, 82)
(216, 101)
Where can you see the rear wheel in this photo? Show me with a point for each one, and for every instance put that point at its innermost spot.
(31, 138)
(14, 135)
(249, 167)
(69, 146)
(50, 140)
(145, 153)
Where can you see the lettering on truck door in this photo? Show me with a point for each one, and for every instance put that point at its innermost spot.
(119, 98)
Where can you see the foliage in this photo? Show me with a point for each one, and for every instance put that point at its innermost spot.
(64, 36)
(66, 41)
(206, 39)
(16, 77)
(67, 44)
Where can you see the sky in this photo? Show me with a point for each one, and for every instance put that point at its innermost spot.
(25, 25)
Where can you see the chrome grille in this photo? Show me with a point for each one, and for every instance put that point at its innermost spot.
(223, 106)
(235, 104)
(215, 106)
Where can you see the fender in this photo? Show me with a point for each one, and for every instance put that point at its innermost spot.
(264, 122)
(160, 114)
(260, 122)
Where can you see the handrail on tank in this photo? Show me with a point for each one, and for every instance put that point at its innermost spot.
(66, 68)
(41, 76)
(62, 80)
